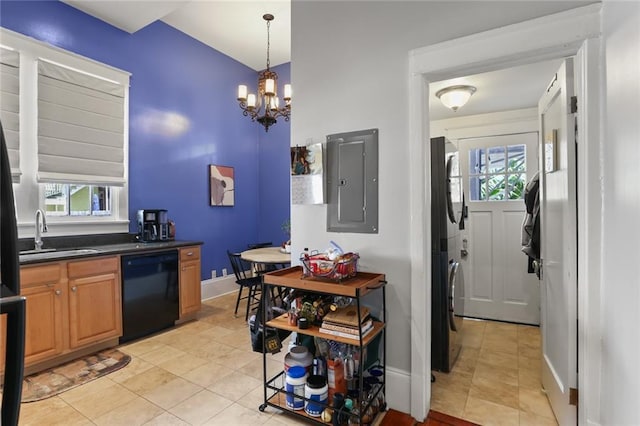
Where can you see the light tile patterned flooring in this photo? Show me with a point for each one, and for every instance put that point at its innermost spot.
(200, 373)
(204, 373)
(496, 380)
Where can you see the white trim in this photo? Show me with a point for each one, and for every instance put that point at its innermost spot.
(540, 39)
(590, 251)
(397, 387)
(214, 287)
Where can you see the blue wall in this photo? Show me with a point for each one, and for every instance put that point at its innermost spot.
(183, 116)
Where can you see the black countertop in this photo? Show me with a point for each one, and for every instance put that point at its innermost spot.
(92, 246)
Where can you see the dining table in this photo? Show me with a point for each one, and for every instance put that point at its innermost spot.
(267, 256)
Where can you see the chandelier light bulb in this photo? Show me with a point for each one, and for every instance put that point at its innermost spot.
(242, 92)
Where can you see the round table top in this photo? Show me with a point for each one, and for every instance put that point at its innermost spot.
(266, 255)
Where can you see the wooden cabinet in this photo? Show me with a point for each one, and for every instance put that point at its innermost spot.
(95, 308)
(190, 287)
(45, 289)
(70, 305)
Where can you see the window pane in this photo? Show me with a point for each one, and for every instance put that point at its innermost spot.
(477, 190)
(495, 188)
(55, 200)
(77, 200)
(477, 162)
(100, 201)
(516, 155)
(496, 159)
(516, 184)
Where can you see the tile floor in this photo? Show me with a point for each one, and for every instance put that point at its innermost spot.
(204, 373)
(200, 373)
(496, 380)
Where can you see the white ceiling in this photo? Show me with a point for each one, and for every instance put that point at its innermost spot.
(236, 28)
(233, 27)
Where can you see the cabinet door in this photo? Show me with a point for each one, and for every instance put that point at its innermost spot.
(46, 302)
(190, 291)
(95, 310)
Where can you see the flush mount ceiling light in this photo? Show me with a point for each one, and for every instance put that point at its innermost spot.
(455, 96)
(265, 107)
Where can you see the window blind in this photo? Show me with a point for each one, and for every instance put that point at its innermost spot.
(80, 127)
(10, 106)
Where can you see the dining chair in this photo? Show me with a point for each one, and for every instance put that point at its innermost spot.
(259, 245)
(244, 280)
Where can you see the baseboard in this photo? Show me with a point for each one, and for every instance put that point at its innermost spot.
(398, 389)
(215, 287)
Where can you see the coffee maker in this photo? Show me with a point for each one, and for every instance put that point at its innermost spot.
(153, 225)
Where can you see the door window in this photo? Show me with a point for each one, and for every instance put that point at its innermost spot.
(497, 173)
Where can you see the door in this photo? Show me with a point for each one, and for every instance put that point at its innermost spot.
(558, 240)
(495, 171)
(91, 281)
(43, 286)
(190, 287)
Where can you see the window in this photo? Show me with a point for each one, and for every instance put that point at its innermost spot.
(77, 200)
(497, 173)
(71, 145)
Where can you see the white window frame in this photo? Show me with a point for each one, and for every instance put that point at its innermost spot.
(29, 194)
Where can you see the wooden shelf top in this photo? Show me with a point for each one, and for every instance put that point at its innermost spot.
(282, 322)
(357, 286)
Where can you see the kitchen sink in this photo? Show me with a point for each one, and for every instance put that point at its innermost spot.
(53, 253)
(47, 250)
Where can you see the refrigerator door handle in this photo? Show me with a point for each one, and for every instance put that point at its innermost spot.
(452, 297)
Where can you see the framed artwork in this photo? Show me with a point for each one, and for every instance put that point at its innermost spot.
(221, 185)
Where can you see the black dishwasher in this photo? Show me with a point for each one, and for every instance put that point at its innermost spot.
(150, 293)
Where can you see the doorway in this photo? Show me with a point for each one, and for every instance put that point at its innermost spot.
(575, 32)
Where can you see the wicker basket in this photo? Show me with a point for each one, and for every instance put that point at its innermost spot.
(320, 266)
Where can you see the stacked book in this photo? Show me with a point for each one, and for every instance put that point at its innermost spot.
(343, 322)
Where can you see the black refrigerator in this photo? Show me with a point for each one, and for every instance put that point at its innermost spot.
(12, 305)
(447, 279)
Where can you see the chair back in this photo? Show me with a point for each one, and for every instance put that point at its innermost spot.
(259, 245)
(239, 266)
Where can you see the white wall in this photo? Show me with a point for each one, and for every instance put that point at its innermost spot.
(620, 401)
(350, 67)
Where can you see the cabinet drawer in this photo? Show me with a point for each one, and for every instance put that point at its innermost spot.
(189, 253)
(93, 267)
(41, 274)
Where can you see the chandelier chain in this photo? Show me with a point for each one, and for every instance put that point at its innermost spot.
(268, 43)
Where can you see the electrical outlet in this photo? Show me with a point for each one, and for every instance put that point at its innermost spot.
(224, 272)
(213, 273)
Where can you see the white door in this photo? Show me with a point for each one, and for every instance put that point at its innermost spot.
(495, 171)
(558, 237)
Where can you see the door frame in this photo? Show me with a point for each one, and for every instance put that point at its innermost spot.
(573, 32)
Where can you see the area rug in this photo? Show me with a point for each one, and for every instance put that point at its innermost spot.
(59, 379)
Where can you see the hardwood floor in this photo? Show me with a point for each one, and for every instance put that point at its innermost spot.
(396, 418)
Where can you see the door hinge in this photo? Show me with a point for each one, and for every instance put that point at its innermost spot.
(574, 104)
(573, 396)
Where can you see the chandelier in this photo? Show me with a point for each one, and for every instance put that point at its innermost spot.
(265, 107)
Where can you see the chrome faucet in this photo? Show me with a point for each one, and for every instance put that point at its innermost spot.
(41, 226)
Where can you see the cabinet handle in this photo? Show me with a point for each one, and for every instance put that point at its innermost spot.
(74, 288)
(380, 284)
(190, 253)
(58, 292)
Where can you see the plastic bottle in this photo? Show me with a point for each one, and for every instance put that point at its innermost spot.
(317, 393)
(298, 356)
(294, 385)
